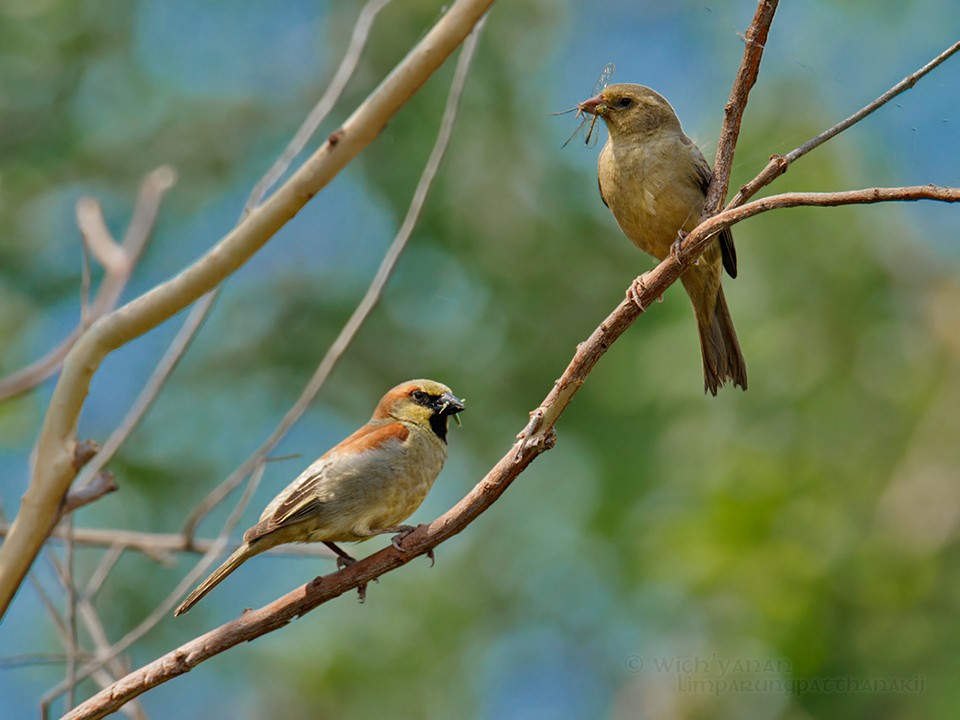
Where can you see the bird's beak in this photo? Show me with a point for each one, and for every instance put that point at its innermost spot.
(448, 404)
(593, 106)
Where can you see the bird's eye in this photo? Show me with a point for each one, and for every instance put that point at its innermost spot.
(419, 396)
(625, 102)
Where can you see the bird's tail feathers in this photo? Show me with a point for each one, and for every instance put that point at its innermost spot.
(720, 348)
(241, 554)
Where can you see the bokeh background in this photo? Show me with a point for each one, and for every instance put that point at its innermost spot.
(803, 531)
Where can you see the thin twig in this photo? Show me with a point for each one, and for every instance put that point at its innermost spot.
(29, 659)
(102, 484)
(779, 164)
(755, 39)
(154, 187)
(48, 605)
(70, 615)
(155, 544)
(102, 571)
(358, 41)
(84, 284)
(97, 237)
(370, 299)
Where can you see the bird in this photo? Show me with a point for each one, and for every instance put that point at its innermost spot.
(366, 485)
(654, 179)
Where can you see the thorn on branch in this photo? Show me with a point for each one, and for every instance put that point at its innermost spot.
(83, 453)
(335, 137)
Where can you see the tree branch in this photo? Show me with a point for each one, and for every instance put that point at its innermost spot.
(160, 545)
(101, 484)
(779, 164)
(53, 473)
(755, 39)
(358, 41)
(537, 437)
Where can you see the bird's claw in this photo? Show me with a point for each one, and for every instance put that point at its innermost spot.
(402, 532)
(345, 561)
(405, 530)
(636, 290)
(675, 246)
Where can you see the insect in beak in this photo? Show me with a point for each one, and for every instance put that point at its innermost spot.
(590, 130)
(456, 418)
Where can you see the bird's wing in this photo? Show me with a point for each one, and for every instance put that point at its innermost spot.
(704, 175)
(306, 495)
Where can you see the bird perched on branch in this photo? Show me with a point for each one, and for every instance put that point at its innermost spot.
(365, 486)
(654, 179)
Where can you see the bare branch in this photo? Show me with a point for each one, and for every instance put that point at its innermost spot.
(90, 219)
(85, 279)
(28, 659)
(755, 39)
(96, 236)
(48, 605)
(358, 41)
(70, 616)
(53, 472)
(102, 484)
(99, 576)
(779, 163)
(160, 544)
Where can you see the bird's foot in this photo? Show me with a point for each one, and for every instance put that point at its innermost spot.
(344, 559)
(402, 531)
(637, 288)
(675, 246)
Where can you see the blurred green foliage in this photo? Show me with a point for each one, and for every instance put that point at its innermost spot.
(808, 525)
